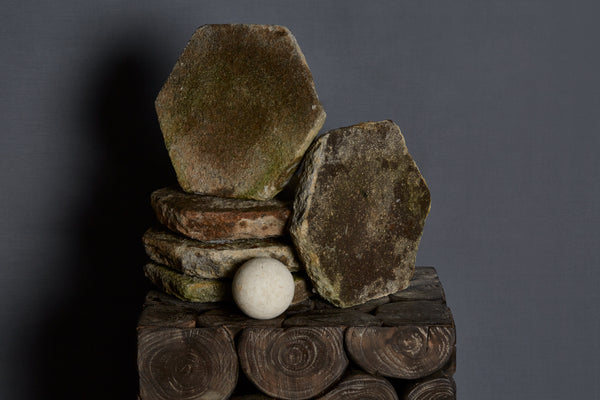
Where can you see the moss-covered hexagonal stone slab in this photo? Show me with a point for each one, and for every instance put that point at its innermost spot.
(238, 111)
(359, 213)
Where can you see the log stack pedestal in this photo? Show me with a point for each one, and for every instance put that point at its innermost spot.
(401, 346)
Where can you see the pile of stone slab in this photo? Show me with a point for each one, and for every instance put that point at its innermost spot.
(239, 113)
(204, 239)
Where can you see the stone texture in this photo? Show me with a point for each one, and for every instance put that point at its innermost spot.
(359, 213)
(186, 287)
(213, 260)
(238, 111)
(210, 218)
(198, 290)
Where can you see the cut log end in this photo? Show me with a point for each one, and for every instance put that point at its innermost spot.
(186, 363)
(405, 352)
(361, 386)
(440, 388)
(293, 363)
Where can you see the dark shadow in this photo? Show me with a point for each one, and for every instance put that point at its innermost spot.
(88, 351)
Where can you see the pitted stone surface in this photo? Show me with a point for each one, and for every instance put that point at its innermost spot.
(210, 218)
(198, 290)
(359, 213)
(186, 287)
(239, 110)
(213, 260)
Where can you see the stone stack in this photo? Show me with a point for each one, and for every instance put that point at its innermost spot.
(205, 238)
(238, 114)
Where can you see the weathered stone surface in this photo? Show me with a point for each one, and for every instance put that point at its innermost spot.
(198, 290)
(210, 218)
(238, 111)
(213, 260)
(359, 213)
(186, 287)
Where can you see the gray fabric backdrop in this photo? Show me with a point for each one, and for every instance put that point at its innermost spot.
(498, 102)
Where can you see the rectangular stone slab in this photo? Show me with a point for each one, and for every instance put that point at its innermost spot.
(210, 218)
(212, 260)
(198, 290)
(187, 288)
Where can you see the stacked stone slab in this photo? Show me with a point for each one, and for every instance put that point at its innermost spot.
(238, 114)
(232, 232)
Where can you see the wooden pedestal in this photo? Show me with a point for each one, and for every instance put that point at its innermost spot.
(399, 347)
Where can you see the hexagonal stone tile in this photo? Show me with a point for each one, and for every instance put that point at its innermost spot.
(238, 111)
(359, 213)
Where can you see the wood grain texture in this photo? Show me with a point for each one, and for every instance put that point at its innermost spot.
(331, 317)
(165, 316)
(360, 386)
(406, 352)
(437, 388)
(421, 313)
(293, 363)
(234, 320)
(186, 364)
(424, 285)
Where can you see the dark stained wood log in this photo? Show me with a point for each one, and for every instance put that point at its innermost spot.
(436, 388)
(252, 397)
(320, 304)
(292, 363)
(361, 386)
(421, 313)
(186, 363)
(406, 352)
(166, 316)
(450, 368)
(425, 285)
(424, 273)
(331, 317)
(234, 320)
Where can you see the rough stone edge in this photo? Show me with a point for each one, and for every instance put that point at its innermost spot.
(297, 224)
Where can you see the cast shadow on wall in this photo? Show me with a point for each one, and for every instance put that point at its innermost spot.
(88, 351)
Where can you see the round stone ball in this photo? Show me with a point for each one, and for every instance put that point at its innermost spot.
(263, 288)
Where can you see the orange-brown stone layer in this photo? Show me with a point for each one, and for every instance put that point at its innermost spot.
(210, 218)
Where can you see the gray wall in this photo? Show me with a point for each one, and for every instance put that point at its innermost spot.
(498, 102)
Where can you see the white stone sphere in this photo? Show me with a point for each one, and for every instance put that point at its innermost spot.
(263, 288)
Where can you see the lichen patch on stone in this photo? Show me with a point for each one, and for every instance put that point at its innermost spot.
(359, 213)
(239, 110)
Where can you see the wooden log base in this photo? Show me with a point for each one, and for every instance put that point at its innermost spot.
(304, 352)
(186, 363)
(406, 352)
(332, 317)
(293, 363)
(437, 388)
(424, 285)
(361, 386)
(420, 313)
